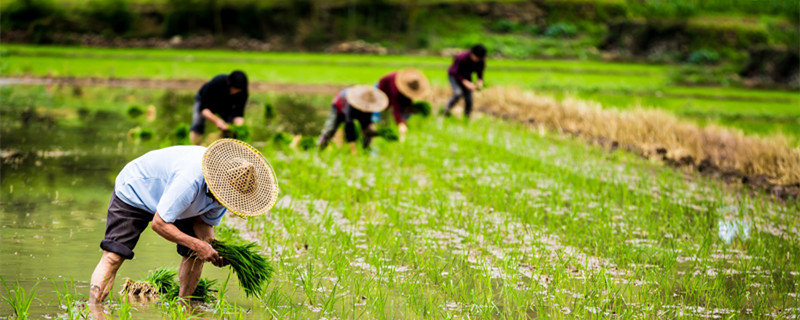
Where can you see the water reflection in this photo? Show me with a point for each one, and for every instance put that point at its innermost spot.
(59, 159)
(730, 228)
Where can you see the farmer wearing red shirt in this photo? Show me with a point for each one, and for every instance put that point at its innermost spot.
(351, 104)
(402, 88)
(460, 74)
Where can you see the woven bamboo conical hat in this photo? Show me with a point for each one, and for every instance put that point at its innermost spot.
(367, 98)
(412, 83)
(240, 178)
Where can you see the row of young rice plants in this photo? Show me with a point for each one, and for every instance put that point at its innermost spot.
(491, 218)
(486, 219)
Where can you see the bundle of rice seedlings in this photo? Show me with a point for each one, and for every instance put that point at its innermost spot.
(161, 283)
(241, 132)
(140, 134)
(281, 138)
(308, 143)
(250, 267)
(180, 135)
(422, 107)
(269, 111)
(388, 133)
(139, 288)
(203, 291)
(163, 280)
(134, 111)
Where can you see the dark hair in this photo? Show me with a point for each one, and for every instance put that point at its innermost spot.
(479, 50)
(238, 79)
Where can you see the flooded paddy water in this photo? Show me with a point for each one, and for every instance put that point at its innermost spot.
(483, 220)
(60, 155)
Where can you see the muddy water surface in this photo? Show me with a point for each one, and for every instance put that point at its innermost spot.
(56, 178)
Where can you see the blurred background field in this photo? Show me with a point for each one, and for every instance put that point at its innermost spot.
(614, 84)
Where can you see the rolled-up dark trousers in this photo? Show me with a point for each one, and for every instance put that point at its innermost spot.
(125, 223)
(459, 91)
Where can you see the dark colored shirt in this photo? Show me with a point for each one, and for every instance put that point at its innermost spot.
(215, 95)
(463, 67)
(399, 103)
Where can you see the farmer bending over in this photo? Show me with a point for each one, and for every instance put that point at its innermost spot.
(184, 191)
(354, 103)
(402, 88)
(221, 101)
(460, 74)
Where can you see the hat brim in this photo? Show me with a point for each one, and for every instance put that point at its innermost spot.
(218, 159)
(404, 80)
(367, 98)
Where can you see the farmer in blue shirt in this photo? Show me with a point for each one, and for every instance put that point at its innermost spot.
(184, 191)
(221, 101)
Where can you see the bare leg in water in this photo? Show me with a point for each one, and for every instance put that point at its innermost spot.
(102, 282)
(189, 274)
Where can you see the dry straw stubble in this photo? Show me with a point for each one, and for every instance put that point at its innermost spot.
(649, 131)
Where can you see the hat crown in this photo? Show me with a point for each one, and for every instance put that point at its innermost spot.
(368, 97)
(241, 175)
(414, 84)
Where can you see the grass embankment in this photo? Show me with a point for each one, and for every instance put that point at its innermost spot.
(613, 84)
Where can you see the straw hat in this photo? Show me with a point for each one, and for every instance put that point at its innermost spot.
(367, 98)
(412, 83)
(240, 177)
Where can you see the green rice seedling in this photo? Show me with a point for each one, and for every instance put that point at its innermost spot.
(203, 291)
(389, 133)
(269, 111)
(17, 298)
(140, 134)
(281, 139)
(125, 308)
(308, 143)
(180, 135)
(134, 112)
(305, 276)
(177, 308)
(422, 107)
(252, 269)
(163, 279)
(241, 132)
(68, 300)
(222, 302)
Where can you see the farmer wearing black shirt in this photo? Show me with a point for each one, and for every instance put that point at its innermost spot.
(220, 101)
(460, 74)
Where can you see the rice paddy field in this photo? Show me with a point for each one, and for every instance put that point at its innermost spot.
(485, 219)
(617, 85)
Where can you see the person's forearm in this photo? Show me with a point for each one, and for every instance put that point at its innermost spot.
(170, 232)
(210, 115)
